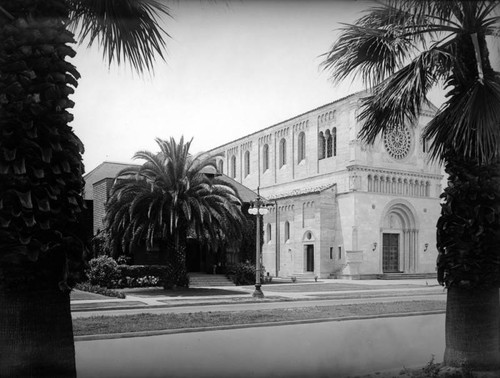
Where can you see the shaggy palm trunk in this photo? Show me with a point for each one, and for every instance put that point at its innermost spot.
(40, 186)
(36, 331)
(36, 335)
(472, 328)
(469, 264)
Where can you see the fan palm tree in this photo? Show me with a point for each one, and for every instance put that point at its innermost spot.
(41, 166)
(402, 49)
(169, 198)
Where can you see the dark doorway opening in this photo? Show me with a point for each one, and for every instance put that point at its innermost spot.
(390, 253)
(310, 258)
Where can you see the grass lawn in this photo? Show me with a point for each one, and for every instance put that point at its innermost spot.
(150, 322)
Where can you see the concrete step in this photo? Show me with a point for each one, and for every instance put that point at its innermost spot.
(406, 276)
(206, 280)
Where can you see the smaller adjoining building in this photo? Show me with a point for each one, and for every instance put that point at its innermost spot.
(98, 184)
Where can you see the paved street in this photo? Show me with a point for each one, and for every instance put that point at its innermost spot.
(331, 349)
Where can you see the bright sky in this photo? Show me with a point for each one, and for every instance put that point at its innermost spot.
(231, 69)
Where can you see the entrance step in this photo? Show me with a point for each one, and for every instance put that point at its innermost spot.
(406, 276)
(208, 280)
(304, 276)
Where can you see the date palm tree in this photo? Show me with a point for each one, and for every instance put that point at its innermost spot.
(41, 166)
(402, 49)
(167, 199)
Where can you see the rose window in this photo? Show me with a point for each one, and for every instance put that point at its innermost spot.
(397, 142)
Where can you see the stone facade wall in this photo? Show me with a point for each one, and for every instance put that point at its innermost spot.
(338, 196)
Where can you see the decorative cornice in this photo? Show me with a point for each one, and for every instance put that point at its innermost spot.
(394, 172)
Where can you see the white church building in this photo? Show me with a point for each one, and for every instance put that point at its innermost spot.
(339, 207)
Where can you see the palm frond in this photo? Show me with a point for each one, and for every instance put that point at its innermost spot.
(469, 123)
(398, 100)
(380, 43)
(126, 30)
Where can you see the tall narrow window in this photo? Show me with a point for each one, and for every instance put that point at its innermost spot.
(321, 145)
(265, 157)
(233, 166)
(424, 145)
(220, 167)
(287, 231)
(301, 145)
(334, 137)
(329, 143)
(282, 155)
(268, 232)
(247, 163)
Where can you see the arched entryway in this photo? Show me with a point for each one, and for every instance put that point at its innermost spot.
(399, 238)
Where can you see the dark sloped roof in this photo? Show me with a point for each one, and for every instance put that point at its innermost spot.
(245, 194)
(104, 170)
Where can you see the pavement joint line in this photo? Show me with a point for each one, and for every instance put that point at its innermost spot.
(124, 335)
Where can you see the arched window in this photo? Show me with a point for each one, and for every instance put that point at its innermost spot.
(282, 152)
(247, 163)
(287, 231)
(301, 145)
(268, 233)
(334, 137)
(329, 143)
(424, 145)
(265, 157)
(233, 166)
(220, 166)
(321, 146)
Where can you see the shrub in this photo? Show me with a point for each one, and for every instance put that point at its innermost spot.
(99, 290)
(244, 273)
(103, 271)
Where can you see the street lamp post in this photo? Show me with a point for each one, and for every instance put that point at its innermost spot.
(258, 208)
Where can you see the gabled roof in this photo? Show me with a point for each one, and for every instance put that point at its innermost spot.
(109, 169)
(104, 170)
(301, 191)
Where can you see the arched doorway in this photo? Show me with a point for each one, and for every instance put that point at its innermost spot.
(308, 259)
(399, 238)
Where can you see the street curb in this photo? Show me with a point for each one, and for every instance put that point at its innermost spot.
(242, 326)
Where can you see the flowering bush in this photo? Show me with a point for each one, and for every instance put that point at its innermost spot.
(145, 281)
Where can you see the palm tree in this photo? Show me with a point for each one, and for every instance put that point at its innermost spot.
(169, 198)
(41, 166)
(402, 49)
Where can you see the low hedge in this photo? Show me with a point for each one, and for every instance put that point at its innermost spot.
(105, 272)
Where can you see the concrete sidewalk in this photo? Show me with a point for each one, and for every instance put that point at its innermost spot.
(344, 291)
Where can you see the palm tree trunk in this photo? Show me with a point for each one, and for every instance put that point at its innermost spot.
(36, 333)
(472, 328)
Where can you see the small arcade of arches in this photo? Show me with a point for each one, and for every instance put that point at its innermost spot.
(399, 239)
